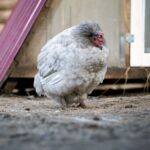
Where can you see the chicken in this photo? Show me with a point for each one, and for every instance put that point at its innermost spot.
(71, 64)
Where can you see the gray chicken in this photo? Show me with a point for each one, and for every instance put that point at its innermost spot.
(71, 64)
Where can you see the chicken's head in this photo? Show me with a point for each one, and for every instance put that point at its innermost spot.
(97, 39)
(92, 31)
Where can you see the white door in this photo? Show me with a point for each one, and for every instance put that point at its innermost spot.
(140, 28)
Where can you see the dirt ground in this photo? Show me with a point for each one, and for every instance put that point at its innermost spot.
(116, 123)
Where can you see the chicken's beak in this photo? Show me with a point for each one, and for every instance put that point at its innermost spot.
(99, 40)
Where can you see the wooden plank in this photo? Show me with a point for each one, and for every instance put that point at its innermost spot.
(27, 56)
(7, 4)
(130, 73)
(112, 73)
(122, 86)
(16, 31)
(126, 28)
(4, 14)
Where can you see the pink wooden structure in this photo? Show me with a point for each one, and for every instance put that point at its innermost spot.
(16, 30)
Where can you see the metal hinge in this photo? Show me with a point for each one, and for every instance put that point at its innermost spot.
(130, 38)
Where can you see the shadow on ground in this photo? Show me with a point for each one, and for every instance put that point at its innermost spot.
(116, 123)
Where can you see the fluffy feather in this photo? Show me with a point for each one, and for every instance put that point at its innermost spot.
(70, 66)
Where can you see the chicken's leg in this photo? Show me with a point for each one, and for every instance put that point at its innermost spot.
(81, 101)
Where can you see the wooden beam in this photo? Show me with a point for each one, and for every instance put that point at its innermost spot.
(112, 73)
(120, 86)
(130, 73)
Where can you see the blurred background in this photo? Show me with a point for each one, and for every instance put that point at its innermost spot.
(126, 31)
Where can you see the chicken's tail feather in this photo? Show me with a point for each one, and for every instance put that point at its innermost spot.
(37, 85)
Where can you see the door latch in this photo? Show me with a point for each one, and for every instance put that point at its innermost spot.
(130, 38)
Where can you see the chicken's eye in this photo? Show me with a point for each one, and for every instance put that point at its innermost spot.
(94, 38)
(91, 34)
(101, 36)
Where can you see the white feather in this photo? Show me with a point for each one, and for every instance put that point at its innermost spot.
(66, 65)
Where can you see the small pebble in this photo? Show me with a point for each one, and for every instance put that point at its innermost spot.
(57, 111)
(43, 120)
(128, 106)
(27, 109)
(96, 118)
